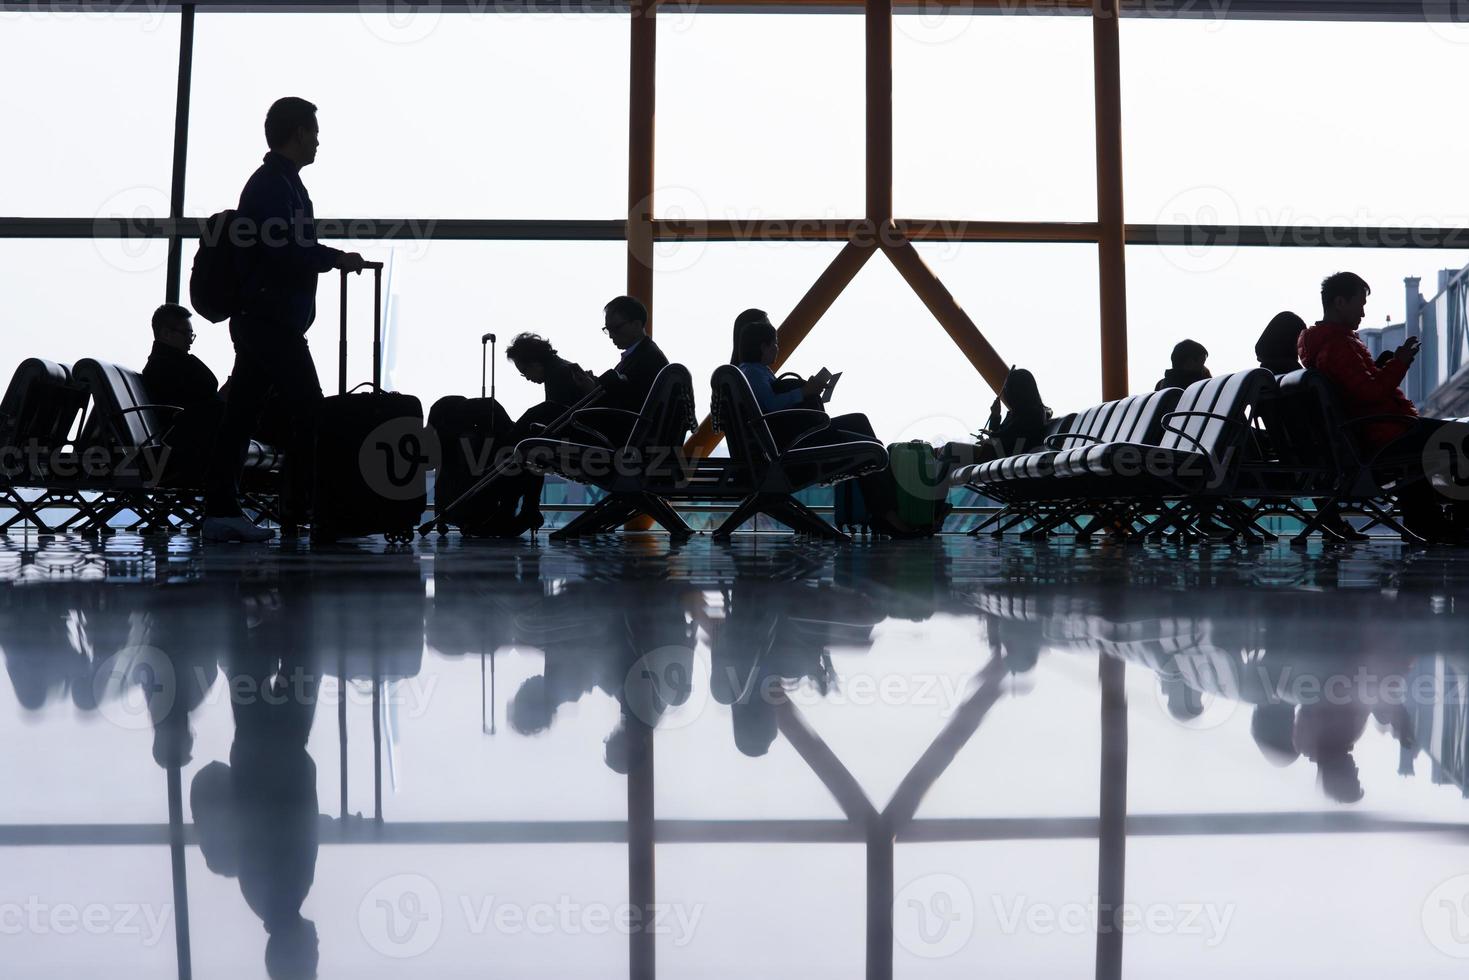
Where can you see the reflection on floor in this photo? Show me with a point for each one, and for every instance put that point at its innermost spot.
(769, 758)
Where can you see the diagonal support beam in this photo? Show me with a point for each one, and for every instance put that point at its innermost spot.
(812, 307)
(946, 310)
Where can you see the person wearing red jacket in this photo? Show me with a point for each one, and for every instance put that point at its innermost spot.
(1369, 387)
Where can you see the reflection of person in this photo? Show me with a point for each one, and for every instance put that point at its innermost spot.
(257, 817)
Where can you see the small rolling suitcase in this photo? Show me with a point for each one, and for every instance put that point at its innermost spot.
(471, 434)
(916, 476)
(371, 452)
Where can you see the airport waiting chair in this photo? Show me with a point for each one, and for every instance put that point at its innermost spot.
(38, 414)
(636, 472)
(770, 474)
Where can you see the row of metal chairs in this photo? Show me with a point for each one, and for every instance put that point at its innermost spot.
(1227, 452)
(84, 445)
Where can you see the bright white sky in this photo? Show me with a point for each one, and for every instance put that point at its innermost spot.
(759, 116)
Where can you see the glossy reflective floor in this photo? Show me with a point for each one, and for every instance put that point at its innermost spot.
(951, 758)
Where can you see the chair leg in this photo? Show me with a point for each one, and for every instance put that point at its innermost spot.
(798, 517)
(746, 509)
(658, 509)
(605, 513)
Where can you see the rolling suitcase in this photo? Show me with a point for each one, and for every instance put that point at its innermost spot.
(471, 435)
(371, 452)
(916, 476)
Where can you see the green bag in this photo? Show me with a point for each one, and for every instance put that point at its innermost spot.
(917, 476)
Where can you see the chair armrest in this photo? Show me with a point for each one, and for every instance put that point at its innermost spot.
(1168, 425)
(1053, 442)
(156, 437)
(800, 421)
(144, 408)
(1371, 461)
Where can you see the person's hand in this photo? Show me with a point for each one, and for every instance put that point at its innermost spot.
(608, 378)
(814, 386)
(1385, 358)
(351, 262)
(1408, 351)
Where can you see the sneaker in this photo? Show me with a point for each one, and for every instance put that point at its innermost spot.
(234, 529)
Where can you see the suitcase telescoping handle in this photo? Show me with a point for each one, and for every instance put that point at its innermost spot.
(377, 330)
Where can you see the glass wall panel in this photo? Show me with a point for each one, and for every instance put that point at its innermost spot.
(1278, 123)
(87, 109)
(759, 115)
(437, 115)
(72, 298)
(1224, 296)
(993, 118)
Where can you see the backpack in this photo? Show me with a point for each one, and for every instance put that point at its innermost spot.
(214, 283)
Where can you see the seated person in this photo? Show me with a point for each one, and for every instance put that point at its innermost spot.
(626, 385)
(1023, 428)
(757, 348)
(1276, 352)
(566, 383)
(1276, 348)
(1365, 389)
(1188, 366)
(623, 389)
(176, 377)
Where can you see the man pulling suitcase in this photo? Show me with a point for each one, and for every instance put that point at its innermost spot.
(277, 260)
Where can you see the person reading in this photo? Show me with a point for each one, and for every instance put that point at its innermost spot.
(757, 349)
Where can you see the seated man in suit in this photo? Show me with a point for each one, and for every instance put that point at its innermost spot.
(176, 377)
(625, 386)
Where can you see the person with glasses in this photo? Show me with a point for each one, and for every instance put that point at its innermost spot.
(174, 376)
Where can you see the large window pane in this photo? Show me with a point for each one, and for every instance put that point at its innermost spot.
(992, 118)
(759, 115)
(1223, 297)
(87, 106)
(441, 297)
(1250, 122)
(438, 115)
(73, 298)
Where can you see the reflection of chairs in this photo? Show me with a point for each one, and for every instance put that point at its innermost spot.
(635, 471)
(771, 473)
